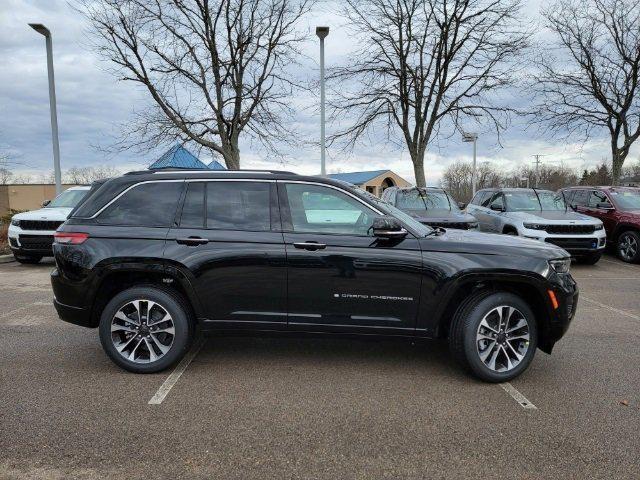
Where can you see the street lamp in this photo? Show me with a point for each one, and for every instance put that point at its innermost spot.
(322, 33)
(472, 137)
(42, 30)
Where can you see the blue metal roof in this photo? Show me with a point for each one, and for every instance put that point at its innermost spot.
(214, 165)
(178, 157)
(357, 178)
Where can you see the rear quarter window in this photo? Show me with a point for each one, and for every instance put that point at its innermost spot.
(146, 205)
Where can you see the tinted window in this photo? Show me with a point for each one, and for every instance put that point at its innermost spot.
(193, 209)
(148, 205)
(568, 196)
(581, 197)
(597, 197)
(325, 210)
(477, 198)
(498, 200)
(68, 199)
(239, 206)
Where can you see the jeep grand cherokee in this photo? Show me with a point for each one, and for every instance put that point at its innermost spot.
(151, 257)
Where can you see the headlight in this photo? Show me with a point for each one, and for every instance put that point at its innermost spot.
(561, 265)
(599, 227)
(15, 222)
(534, 226)
(473, 225)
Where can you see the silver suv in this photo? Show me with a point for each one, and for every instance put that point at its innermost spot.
(539, 215)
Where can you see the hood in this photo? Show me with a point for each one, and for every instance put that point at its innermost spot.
(552, 216)
(60, 214)
(441, 216)
(473, 242)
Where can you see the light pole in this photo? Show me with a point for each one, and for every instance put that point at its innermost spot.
(472, 137)
(322, 33)
(41, 29)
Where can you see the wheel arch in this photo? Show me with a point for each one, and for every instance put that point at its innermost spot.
(524, 287)
(509, 228)
(622, 228)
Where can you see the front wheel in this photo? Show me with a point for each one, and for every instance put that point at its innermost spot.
(146, 329)
(629, 247)
(495, 336)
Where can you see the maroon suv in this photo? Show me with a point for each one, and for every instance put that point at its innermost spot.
(619, 210)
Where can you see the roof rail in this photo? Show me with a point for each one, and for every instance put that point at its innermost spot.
(185, 170)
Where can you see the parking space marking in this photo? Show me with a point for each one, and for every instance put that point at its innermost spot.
(517, 396)
(593, 277)
(620, 264)
(173, 378)
(609, 307)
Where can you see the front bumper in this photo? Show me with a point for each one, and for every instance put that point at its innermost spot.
(567, 293)
(30, 242)
(575, 244)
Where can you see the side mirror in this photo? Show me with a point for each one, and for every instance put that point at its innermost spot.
(46, 202)
(462, 205)
(604, 206)
(497, 208)
(388, 227)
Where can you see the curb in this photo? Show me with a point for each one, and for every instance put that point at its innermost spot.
(6, 258)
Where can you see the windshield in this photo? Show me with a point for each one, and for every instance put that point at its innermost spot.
(420, 199)
(627, 199)
(418, 227)
(528, 201)
(67, 199)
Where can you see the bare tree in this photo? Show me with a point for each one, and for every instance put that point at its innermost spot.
(213, 68)
(424, 61)
(456, 179)
(87, 175)
(593, 84)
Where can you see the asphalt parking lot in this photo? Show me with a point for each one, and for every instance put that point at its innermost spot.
(319, 408)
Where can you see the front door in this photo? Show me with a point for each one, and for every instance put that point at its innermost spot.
(340, 278)
(228, 241)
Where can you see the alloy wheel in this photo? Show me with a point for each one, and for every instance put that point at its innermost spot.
(502, 338)
(142, 331)
(628, 247)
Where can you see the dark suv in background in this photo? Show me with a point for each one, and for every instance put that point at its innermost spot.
(151, 256)
(619, 210)
(432, 206)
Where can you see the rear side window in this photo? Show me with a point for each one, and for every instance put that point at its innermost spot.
(146, 205)
(581, 197)
(238, 206)
(193, 209)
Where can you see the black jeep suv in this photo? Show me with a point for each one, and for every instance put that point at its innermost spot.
(152, 257)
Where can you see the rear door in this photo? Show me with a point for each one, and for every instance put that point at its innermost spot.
(228, 242)
(495, 218)
(340, 278)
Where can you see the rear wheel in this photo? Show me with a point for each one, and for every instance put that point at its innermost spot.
(628, 247)
(27, 259)
(146, 329)
(495, 336)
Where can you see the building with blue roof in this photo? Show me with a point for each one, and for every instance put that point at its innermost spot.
(215, 165)
(178, 157)
(373, 181)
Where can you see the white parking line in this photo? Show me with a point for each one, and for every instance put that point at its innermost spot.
(613, 309)
(8, 314)
(517, 396)
(620, 264)
(173, 378)
(595, 277)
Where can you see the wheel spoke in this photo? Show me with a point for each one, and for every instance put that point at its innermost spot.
(482, 336)
(165, 318)
(122, 328)
(519, 357)
(509, 364)
(121, 316)
(485, 324)
(163, 348)
(524, 336)
(133, 352)
(170, 330)
(152, 354)
(120, 347)
(521, 323)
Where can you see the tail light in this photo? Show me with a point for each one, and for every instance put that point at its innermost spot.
(70, 238)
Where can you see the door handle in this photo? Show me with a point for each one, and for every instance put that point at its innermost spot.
(192, 241)
(310, 245)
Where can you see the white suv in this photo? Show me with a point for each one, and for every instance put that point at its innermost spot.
(539, 215)
(31, 233)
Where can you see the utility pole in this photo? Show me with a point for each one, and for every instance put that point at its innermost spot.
(42, 30)
(322, 33)
(468, 137)
(537, 162)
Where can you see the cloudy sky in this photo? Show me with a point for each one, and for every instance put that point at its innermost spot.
(92, 106)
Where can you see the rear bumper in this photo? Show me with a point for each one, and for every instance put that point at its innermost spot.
(75, 315)
(62, 296)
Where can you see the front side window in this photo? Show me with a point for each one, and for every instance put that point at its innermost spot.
(239, 206)
(498, 201)
(145, 205)
(485, 199)
(319, 209)
(580, 198)
(598, 199)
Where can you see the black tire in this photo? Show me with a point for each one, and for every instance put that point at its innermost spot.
(626, 254)
(466, 321)
(27, 259)
(510, 231)
(591, 259)
(175, 306)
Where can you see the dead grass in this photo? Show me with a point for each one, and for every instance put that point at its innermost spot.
(4, 242)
